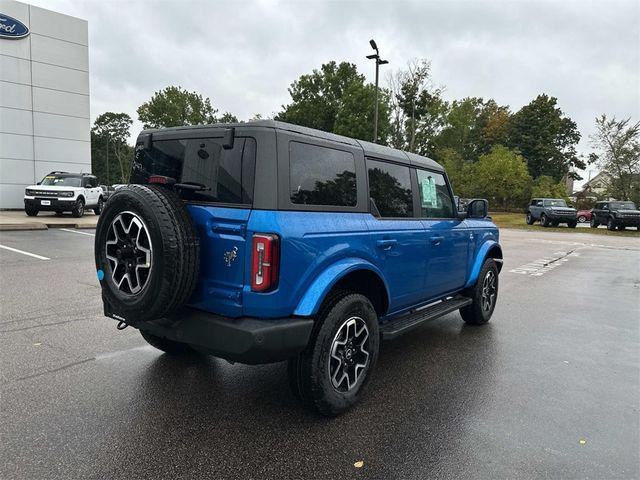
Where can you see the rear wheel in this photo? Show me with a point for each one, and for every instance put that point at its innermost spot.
(32, 212)
(530, 219)
(78, 208)
(582, 219)
(168, 346)
(573, 224)
(99, 207)
(331, 374)
(484, 295)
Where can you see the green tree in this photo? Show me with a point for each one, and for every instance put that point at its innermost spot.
(501, 176)
(546, 138)
(110, 154)
(336, 98)
(459, 171)
(617, 144)
(173, 107)
(547, 187)
(417, 108)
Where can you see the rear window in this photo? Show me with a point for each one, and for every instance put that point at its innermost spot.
(224, 176)
(321, 176)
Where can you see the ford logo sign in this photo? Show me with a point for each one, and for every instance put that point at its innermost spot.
(12, 28)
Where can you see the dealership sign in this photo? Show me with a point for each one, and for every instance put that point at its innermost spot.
(12, 28)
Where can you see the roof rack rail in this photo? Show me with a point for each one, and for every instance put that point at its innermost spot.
(56, 171)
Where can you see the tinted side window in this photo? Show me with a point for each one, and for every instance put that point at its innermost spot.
(390, 188)
(321, 176)
(435, 199)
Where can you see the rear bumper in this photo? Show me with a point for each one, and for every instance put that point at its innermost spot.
(244, 340)
(55, 204)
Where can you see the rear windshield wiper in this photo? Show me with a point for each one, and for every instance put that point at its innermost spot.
(192, 186)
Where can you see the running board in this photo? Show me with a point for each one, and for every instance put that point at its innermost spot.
(395, 328)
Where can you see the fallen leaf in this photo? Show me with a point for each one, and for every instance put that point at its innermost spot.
(359, 464)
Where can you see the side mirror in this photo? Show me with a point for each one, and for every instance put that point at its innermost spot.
(478, 208)
(38, 183)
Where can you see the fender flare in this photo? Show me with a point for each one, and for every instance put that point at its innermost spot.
(480, 258)
(315, 294)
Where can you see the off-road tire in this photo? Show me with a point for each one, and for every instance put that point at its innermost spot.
(611, 224)
(168, 346)
(594, 223)
(474, 314)
(31, 212)
(544, 220)
(175, 251)
(308, 373)
(99, 207)
(529, 218)
(573, 224)
(78, 208)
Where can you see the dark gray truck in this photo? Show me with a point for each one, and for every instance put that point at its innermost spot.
(551, 212)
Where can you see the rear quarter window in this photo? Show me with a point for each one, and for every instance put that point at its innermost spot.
(321, 176)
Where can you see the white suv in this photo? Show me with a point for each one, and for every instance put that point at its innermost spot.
(64, 192)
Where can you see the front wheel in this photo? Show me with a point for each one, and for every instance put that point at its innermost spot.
(594, 223)
(330, 375)
(168, 346)
(611, 225)
(544, 220)
(484, 295)
(32, 212)
(572, 224)
(582, 219)
(78, 208)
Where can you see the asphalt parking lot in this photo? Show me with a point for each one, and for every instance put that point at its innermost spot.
(549, 389)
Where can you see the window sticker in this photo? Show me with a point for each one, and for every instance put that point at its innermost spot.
(428, 187)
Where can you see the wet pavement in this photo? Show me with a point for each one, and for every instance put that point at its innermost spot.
(550, 388)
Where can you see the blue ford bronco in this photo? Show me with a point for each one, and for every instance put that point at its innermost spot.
(263, 242)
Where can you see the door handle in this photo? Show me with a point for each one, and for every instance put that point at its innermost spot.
(436, 240)
(386, 244)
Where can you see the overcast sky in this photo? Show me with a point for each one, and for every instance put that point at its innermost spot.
(244, 54)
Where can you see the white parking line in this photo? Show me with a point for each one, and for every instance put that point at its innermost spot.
(541, 266)
(39, 257)
(76, 231)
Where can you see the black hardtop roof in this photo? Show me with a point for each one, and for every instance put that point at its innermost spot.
(370, 149)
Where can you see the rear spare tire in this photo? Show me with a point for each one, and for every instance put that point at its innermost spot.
(146, 253)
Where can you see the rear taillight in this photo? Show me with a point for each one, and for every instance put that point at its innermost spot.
(162, 180)
(265, 260)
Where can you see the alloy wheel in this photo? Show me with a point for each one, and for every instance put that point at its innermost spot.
(488, 291)
(349, 357)
(129, 252)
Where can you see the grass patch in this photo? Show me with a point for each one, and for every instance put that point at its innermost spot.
(517, 220)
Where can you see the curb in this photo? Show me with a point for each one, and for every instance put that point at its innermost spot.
(14, 227)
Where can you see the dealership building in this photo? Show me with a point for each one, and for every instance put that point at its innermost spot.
(44, 97)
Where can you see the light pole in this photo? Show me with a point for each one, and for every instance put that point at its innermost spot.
(378, 63)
